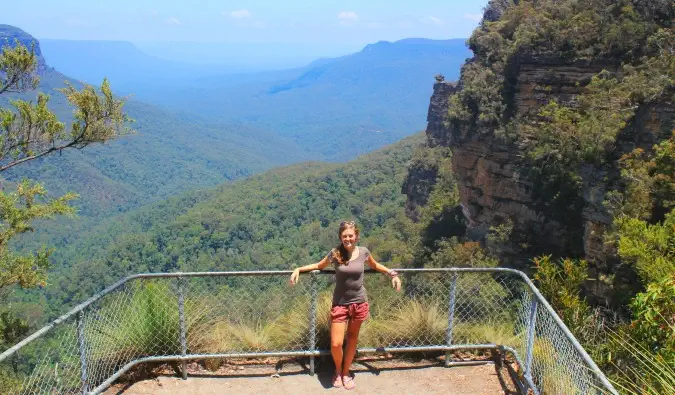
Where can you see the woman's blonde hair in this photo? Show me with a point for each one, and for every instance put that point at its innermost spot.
(340, 253)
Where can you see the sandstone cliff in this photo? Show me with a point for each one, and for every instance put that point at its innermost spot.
(10, 34)
(492, 176)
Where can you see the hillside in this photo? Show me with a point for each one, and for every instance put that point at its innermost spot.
(274, 220)
(170, 154)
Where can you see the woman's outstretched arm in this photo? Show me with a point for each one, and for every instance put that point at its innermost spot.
(378, 267)
(295, 276)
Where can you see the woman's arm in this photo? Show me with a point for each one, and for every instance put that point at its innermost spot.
(295, 276)
(378, 267)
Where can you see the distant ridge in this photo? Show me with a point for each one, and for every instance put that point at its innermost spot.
(120, 61)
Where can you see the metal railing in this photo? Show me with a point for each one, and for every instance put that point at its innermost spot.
(177, 317)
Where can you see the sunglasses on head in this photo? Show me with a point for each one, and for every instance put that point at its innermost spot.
(350, 223)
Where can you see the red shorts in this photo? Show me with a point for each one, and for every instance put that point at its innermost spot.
(352, 311)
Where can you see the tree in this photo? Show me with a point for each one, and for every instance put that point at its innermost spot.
(29, 131)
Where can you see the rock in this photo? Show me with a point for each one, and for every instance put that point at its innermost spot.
(10, 34)
(492, 176)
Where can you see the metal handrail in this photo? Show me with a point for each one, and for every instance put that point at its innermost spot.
(537, 302)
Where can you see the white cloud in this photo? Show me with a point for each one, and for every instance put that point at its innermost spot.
(347, 17)
(431, 20)
(172, 20)
(239, 14)
(473, 17)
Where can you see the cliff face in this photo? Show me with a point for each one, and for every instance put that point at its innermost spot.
(10, 34)
(492, 176)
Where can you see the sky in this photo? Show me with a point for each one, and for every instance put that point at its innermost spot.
(287, 21)
(309, 28)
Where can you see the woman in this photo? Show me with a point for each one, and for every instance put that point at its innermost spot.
(350, 303)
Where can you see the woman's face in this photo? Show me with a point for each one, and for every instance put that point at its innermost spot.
(348, 237)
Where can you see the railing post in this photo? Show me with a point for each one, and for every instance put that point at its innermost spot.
(531, 324)
(181, 320)
(451, 316)
(313, 290)
(83, 351)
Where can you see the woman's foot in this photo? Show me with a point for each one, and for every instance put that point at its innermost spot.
(337, 380)
(348, 382)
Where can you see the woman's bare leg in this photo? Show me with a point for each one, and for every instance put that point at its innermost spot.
(350, 351)
(337, 336)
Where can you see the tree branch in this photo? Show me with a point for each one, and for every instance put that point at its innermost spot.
(73, 143)
(6, 87)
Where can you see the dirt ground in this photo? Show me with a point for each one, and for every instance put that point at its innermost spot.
(290, 377)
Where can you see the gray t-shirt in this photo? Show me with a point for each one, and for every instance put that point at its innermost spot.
(349, 279)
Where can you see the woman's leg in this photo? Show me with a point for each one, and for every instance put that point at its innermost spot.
(350, 351)
(337, 335)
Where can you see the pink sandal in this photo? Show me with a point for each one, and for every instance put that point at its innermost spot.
(337, 380)
(348, 382)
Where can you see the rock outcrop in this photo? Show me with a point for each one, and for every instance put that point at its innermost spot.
(9, 35)
(492, 175)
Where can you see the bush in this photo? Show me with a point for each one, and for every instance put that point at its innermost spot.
(653, 323)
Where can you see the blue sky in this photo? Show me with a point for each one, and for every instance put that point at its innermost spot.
(345, 22)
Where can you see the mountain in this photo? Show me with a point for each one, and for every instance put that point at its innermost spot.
(132, 69)
(170, 154)
(375, 96)
(136, 70)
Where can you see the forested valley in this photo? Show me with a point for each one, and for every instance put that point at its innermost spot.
(593, 159)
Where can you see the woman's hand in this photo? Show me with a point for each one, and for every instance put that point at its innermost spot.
(396, 283)
(295, 276)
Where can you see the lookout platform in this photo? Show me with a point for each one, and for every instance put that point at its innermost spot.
(371, 377)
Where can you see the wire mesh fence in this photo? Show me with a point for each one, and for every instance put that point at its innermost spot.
(194, 316)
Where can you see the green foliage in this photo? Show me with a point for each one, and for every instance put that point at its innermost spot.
(31, 131)
(645, 374)
(560, 283)
(501, 233)
(589, 29)
(412, 320)
(640, 356)
(444, 195)
(479, 102)
(649, 180)
(650, 249)
(17, 211)
(13, 328)
(17, 65)
(143, 324)
(451, 253)
(28, 132)
(654, 318)
(562, 138)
